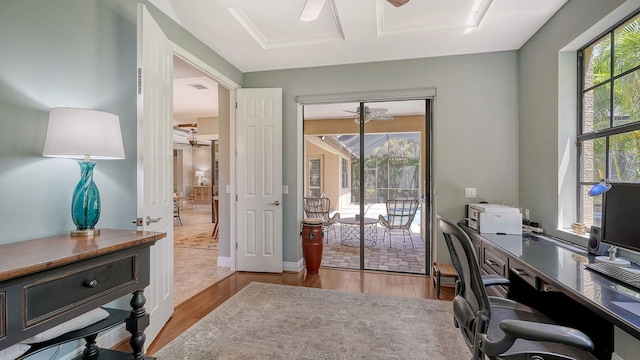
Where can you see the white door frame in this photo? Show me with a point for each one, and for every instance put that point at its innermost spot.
(231, 86)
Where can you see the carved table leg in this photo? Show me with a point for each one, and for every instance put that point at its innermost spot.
(90, 348)
(136, 323)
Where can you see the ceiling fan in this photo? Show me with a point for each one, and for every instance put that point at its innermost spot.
(193, 139)
(312, 8)
(371, 114)
(397, 3)
(189, 135)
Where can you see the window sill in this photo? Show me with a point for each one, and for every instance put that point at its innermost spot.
(567, 231)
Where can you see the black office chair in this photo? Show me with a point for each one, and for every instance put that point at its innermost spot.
(501, 328)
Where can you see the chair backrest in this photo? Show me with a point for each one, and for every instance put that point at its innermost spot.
(471, 307)
(318, 208)
(401, 212)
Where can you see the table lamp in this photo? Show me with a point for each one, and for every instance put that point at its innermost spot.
(86, 135)
(600, 188)
(199, 174)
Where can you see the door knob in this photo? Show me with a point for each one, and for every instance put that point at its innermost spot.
(150, 220)
(276, 203)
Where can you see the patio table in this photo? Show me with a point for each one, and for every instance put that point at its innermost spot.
(350, 231)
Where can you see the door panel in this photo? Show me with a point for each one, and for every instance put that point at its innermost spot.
(155, 163)
(259, 159)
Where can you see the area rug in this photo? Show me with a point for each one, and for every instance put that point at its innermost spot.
(200, 241)
(267, 321)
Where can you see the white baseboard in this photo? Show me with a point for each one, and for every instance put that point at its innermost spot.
(286, 265)
(225, 261)
(615, 356)
(293, 266)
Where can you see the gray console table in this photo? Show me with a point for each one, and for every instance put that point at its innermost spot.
(45, 282)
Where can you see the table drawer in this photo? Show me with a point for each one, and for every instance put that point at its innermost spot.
(56, 294)
(494, 262)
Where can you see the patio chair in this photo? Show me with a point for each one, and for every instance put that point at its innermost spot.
(320, 208)
(400, 215)
(500, 328)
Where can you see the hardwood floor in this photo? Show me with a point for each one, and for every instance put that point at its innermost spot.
(194, 309)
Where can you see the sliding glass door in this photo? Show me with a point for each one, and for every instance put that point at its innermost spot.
(369, 160)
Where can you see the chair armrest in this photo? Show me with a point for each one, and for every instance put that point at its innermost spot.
(334, 219)
(490, 280)
(546, 332)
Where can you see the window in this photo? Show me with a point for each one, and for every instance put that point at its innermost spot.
(345, 174)
(609, 114)
(315, 177)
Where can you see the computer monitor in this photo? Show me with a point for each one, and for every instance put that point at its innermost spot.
(621, 216)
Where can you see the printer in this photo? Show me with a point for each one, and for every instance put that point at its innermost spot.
(495, 219)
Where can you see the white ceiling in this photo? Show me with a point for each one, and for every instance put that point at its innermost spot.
(257, 35)
(194, 94)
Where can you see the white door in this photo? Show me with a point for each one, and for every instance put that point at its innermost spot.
(259, 184)
(155, 163)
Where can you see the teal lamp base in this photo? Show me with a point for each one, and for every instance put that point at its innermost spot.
(87, 232)
(85, 204)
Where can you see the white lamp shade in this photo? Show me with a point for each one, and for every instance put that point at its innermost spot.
(78, 133)
(199, 173)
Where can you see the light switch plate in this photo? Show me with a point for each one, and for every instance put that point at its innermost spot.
(470, 192)
(285, 189)
(228, 189)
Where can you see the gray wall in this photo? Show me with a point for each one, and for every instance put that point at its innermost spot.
(65, 53)
(476, 121)
(77, 53)
(539, 127)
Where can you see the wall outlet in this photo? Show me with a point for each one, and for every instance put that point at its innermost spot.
(470, 192)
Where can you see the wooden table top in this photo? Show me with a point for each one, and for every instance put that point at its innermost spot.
(27, 257)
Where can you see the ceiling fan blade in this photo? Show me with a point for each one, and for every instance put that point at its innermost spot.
(397, 3)
(188, 125)
(377, 111)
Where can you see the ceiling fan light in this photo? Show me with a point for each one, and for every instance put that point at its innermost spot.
(397, 3)
(311, 10)
(357, 120)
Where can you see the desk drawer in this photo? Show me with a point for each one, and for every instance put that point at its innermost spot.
(494, 262)
(523, 273)
(59, 293)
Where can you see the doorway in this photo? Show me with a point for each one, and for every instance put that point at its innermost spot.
(195, 179)
(371, 160)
